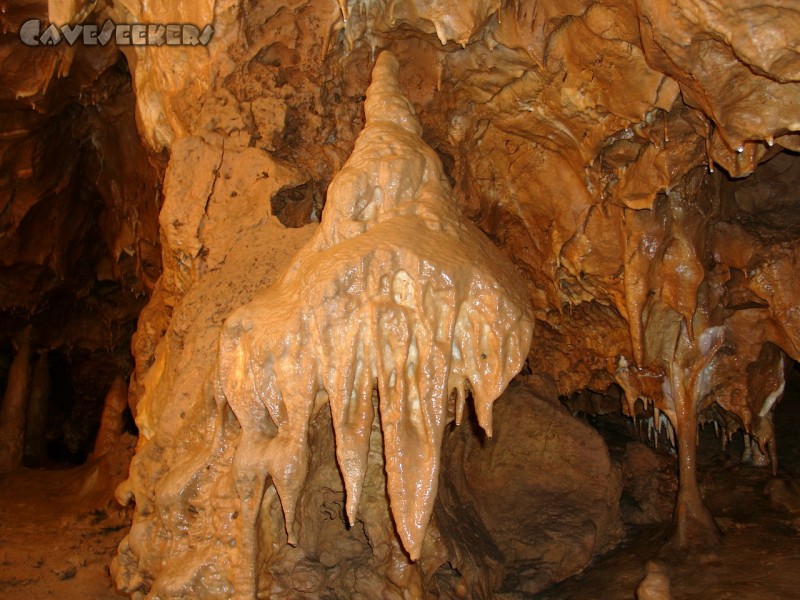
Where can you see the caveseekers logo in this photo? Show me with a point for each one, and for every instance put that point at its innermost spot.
(126, 34)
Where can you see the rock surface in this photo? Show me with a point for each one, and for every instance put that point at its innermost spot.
(543, 490)
(79, 202)
(584, 139)
(635, 160)
(394, 292)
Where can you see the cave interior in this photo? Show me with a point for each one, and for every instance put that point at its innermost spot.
(397, 300)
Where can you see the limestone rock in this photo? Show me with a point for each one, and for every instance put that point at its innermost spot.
(543, 488)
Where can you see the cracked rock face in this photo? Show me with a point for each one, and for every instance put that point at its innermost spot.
(395, 296)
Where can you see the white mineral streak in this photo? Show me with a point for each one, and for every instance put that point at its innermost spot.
(769, 403)
(394, 289)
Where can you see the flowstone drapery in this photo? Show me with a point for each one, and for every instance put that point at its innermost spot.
(395, 291)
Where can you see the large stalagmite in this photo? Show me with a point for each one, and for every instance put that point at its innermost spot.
(395, 290)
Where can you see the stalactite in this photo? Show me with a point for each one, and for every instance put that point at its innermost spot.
(629, 246)
(395, 290)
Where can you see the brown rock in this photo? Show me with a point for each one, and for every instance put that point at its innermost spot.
(649, 483)
(543, 488)
(580, 136)
(14, 409)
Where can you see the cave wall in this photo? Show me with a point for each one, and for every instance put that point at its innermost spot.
(634, 161)
(79, 248)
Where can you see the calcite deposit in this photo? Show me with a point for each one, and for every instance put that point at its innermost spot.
(586, 140)
(623, 173)
(394, 291)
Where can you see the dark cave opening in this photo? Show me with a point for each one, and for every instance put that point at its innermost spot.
(72, 414)
(787, 423)
(298, 206)
(80, 251)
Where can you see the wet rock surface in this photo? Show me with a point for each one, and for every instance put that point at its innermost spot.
(636, 162)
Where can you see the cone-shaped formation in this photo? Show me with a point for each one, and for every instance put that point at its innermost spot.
(394, 290)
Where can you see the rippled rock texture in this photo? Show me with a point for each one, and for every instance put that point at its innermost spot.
(635, 162)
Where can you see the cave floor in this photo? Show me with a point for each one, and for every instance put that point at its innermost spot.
(53, 545)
